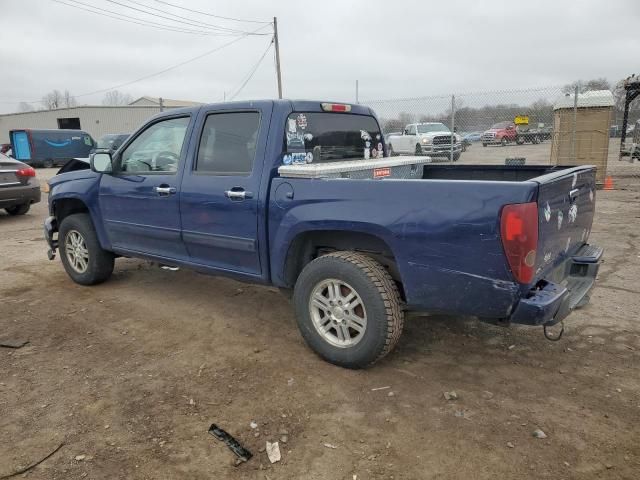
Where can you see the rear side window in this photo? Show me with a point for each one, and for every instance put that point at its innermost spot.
(228, 143)
(330, 137)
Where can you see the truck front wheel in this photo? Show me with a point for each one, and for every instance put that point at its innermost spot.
(504, 141)
(348, 309)
(82, 257)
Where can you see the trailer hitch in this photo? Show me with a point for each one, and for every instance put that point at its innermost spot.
(551, 337)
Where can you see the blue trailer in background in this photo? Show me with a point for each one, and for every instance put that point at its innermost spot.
(47, 148)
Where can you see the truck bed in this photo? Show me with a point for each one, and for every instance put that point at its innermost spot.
(408, 167)
(496, 173)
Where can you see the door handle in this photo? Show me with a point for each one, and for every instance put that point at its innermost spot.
(164, 190)
(573, 194)
(237, 194)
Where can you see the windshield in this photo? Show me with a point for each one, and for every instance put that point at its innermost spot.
(501, 125)
(106, 141)
(329, 137)
(432, 127)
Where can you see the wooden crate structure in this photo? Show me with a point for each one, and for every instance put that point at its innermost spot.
(590, 124)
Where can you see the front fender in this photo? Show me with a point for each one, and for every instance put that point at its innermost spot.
(83, 186)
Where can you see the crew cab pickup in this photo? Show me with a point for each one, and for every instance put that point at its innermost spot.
(290, 193)
(433, 139)
(502, 133)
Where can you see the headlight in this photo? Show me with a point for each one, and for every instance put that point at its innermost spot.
(426, 140)
(44, 187)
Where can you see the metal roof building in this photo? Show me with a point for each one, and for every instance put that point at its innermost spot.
(95, 120)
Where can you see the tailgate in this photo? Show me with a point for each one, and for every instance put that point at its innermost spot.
(566, 204)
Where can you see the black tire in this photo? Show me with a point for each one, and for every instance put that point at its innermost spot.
(392, 153)
(378, 294)
(456, 157)
(504, 141)
(418, 149)
(519, 140)
(18, 209)
(484, 144)
(535, 140)
(100, 262)
(48, 163)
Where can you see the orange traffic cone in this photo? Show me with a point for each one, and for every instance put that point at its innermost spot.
(608, 183)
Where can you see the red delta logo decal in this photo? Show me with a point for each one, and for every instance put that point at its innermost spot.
(381, 172)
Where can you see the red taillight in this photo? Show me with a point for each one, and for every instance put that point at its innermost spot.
(26, 172)
(519, 233)
(336, 107)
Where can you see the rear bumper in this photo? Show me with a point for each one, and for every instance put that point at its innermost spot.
(552, 302)
(18, 195)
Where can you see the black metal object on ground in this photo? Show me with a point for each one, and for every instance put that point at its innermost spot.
(517, 161)
(241, 452)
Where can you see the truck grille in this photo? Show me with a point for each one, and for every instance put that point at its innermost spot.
(442, 140)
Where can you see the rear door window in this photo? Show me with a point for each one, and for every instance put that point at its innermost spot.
(319, 137)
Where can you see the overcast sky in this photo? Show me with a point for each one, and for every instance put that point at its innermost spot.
(395, 49)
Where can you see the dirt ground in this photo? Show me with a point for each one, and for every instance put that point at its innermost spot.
(131, 373)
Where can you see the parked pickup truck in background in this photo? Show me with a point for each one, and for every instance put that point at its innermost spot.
(501, 133)
(432, 139)
(221, 189)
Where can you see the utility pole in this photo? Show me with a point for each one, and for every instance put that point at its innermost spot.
(277, 45)
(357, 92)
(575, 122)
(453, 125)
(161, 102)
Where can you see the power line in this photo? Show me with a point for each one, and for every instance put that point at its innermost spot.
(200, 23)
(135, 20)
(155, 74)
(190, 22)
(208, 14)
(252, 71)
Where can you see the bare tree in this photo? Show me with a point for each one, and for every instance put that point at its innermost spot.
(25, 107)
(57, 99)
(586, 86)
(115, 97)
(52, 100)
(69, 100)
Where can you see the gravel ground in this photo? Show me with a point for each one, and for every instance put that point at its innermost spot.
(130, 374)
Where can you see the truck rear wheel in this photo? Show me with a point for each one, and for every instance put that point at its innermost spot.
(48, 163)
(348, 309)
(82, 256)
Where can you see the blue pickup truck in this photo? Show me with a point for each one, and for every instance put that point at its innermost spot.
(203, 188)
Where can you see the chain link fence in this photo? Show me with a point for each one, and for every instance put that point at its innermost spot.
(548, 126)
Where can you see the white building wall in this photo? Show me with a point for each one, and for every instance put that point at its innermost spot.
(96, 121)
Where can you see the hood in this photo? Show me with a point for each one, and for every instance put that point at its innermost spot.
(435, 134)
(72, 175)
